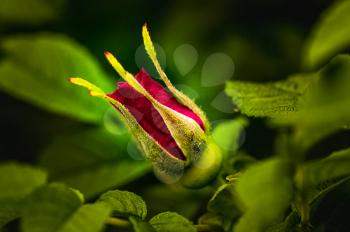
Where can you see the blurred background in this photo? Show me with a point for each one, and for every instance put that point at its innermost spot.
(79, 140)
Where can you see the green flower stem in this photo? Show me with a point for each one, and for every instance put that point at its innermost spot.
(118, 222)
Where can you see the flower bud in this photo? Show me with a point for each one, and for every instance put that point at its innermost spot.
(171, 130)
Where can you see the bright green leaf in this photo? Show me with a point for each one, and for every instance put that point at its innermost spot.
(48, 208)
(88, 218)
(276, 99)
(124, 203)
(41, 77)
(330, 36)
(29, 12)
(92, 161)
(266, 190)
(171, 222)
(227, 134)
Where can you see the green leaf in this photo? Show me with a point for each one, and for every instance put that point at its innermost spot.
(171, 222)
(266, 190)
(88, 218)
(124, 203)
(329, 211)
(48, 208)
(290, 224)
(327, 107)
(320, 177)
(41, 77)
(225, 202)
(276, 99)
(16, 181)
(334, 167)
(29, 12)
(227, 134)
(140, 226)
(330, 36)
(9, 210)
(92, 161)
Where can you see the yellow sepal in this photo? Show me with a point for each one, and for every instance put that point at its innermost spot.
(149, 47)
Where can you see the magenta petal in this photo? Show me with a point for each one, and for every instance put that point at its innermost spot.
(148, 117)
(163, 96)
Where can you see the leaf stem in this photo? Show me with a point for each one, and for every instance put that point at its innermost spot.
(118, 222)
(303, 204)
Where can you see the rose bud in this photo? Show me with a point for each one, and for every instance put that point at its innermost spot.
(171, 130)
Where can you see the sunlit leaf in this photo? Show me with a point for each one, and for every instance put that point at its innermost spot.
(41, 77)
(171, 222)
(92, 161)
(330, 35)
(266, 190)
(124, 203)
(270, 99)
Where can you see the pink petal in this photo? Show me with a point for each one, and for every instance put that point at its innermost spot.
(163, 96)
(147, 116)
